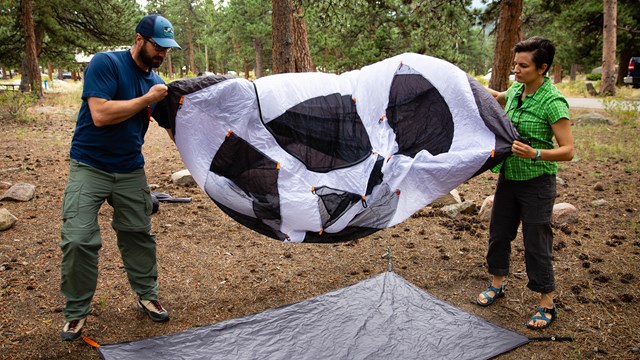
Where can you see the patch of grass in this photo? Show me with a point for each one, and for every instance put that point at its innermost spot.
(627, 92)
(622, 110)
(63, 99)
(612, 143)
(575, 88)
(20, 133)
(604, 143)
(578, 88)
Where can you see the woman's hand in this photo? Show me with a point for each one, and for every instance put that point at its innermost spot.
(523, 150)
(564, 151)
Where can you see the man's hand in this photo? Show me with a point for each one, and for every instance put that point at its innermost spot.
(110, 112)
(156, 93)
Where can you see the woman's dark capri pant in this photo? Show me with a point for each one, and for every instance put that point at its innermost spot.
(529, 201)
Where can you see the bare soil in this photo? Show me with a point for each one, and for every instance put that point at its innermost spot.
(213, 269)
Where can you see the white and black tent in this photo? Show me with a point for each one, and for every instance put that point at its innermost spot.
(321, 157)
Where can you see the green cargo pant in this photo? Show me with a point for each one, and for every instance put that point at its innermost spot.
(130, 198)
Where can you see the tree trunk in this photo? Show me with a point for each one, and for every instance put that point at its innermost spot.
(301, 52)
(257, 45)
(24, 80)
(573, 72)
(557, 73)
(206, 58)
(237, 50)
(169, 66)
(608, 84)
(507, 37)
(282, 36)
(31, 72)
(245, 67)
(192, 61)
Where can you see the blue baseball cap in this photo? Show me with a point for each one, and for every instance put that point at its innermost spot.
(159, 29)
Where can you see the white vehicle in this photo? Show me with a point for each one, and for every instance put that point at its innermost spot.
(512, 76)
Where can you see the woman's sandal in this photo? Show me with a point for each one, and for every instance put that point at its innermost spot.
(497, 293)
(543, 316)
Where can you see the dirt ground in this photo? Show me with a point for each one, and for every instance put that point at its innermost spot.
(213, 269)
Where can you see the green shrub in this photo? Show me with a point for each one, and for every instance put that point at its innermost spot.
(14, 104)
(594, 77)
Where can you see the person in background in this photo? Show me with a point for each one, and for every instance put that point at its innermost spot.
(526, 188)
(121, 93)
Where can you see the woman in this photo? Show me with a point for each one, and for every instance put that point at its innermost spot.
(526, 188)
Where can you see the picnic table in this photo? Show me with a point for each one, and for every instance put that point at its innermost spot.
(12, 87)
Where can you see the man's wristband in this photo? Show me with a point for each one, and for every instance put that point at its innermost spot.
(538, 155)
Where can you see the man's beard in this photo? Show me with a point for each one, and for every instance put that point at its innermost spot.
(150, 61)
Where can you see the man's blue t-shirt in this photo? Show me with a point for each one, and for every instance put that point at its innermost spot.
(113, 148)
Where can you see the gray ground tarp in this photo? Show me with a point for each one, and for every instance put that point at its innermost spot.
(384, 317)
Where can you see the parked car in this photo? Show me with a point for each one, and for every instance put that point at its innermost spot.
(633, 76)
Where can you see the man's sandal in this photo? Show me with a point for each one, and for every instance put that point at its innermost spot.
(543, 316)
(497, 293)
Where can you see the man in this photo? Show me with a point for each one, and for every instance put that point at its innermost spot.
(120, 95)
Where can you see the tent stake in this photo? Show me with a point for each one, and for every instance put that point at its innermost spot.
(552, 338)
(389, 258)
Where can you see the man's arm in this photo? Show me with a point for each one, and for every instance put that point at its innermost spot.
(110, 112)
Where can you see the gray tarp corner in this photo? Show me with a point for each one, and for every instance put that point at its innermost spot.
(383, 317)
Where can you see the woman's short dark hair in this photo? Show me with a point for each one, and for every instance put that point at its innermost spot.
(542, 50)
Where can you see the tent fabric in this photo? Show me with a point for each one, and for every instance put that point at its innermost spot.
(383, 317)
(412, 127)
(419, 116)
(255, 174)
(324, 133)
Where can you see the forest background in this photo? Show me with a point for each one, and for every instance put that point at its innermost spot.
(255, 38)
